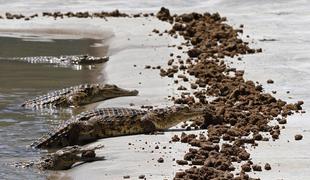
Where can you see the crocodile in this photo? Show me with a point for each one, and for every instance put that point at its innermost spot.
(63, 159)
(62, 60)
(78, 96)
(111, 122)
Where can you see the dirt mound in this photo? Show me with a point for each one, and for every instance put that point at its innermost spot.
(241, 110)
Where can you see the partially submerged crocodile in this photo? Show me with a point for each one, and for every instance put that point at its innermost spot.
(110, 122)
(78, 95)
(63, 159)
(62, 60)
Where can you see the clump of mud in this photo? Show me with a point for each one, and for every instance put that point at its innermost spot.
(240, 113)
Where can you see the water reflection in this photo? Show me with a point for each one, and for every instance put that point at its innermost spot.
(34, 46)
(34, 51)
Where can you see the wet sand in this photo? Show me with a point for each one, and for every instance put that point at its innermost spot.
(281, 163)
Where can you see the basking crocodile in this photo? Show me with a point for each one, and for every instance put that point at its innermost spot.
(78, 95)
(63, 159)
(110, 122)
(62, 60)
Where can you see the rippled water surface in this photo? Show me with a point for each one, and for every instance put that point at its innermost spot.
(20, 81)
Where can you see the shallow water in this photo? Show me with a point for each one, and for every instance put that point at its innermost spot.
(20, 81)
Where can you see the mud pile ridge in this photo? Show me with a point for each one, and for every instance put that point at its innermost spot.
(70, 14)
(241, 111)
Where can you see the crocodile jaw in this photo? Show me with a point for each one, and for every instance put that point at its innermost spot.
(176, 116)
(66, 157)
(108, 91)
(99, 92)
(85, 60)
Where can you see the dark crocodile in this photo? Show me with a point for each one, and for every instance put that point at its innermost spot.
(63, 159)
(78, 96)
(110, 122)
(62, 60)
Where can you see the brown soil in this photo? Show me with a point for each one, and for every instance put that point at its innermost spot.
(267, 167)
(142, 176)
(256, 167)
(298, 137)
(84, 14)
(181, 162)
(160, 160)
(240, 111)
(270, 81)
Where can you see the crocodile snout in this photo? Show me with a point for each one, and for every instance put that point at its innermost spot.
(134, 92)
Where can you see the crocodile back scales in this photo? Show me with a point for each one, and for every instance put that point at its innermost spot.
(65, 60)
(108, 121)
(57, 96)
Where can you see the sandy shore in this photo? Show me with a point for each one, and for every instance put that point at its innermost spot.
(279, 153)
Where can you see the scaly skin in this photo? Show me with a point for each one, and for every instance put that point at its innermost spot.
(110, 122)
(62, 60)
(78, 96)
(63, 159)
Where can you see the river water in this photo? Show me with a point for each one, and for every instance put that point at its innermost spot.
(285, 60)
(20, 81)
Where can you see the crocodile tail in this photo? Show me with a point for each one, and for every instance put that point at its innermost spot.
(54, 139)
